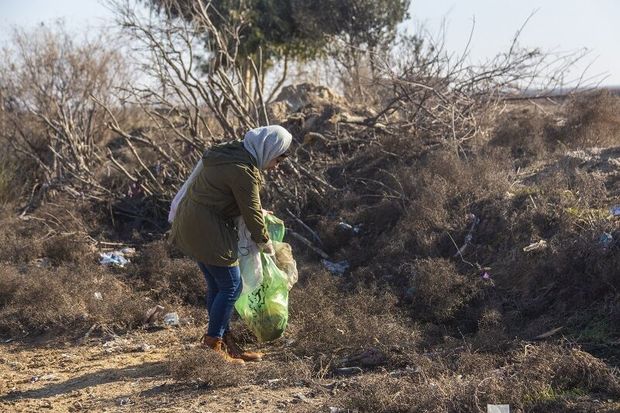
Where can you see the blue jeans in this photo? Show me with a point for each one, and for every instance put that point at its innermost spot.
(223, 288)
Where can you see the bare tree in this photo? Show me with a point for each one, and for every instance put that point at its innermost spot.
(191, 95)
(47, 79)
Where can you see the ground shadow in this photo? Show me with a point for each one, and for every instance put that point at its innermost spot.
(146, 370)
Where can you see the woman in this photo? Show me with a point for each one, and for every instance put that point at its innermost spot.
(227, 185)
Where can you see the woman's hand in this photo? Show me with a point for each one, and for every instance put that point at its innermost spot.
(267, 248)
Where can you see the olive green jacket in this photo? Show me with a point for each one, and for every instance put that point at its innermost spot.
(227, 186)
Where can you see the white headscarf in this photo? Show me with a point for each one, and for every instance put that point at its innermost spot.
(267, 143)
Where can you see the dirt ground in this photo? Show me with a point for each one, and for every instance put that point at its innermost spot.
(128, 374)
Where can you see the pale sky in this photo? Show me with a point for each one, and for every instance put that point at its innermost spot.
(557, 25)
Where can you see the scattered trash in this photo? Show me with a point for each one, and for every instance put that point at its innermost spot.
(42, 262)
(301, 397)
(606, 240)
(98, 296)
(143, 348)
(171, 319)
(540, 245)
(549, 333)
(115, 258)
(152, 313)
(125, 401)
(348, 227)
(45, 377)
(615, 210)
(407, 370)
(498, 408)
(485, 276)
(128, 251)
(337, 268)
(348, 371)
(333, 409)
(470, 234)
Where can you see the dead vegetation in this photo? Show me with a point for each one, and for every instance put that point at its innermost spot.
(483, 257)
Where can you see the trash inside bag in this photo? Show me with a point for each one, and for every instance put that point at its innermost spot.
(264, 308)
(250, 264)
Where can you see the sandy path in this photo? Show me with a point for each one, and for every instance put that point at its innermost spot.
(124, 374)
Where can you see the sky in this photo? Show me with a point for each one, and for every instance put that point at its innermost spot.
(555, 25)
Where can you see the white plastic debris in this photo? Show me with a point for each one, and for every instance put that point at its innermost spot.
(171, 319)
(337, 268)
(125, 401)
(615, 210)
(606, 240)
(536, 246)
(348, 227)
(98, 296)
(498, 408)
(115, 258)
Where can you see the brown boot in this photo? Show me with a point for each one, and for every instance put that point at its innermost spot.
(237, 352)
(217, 344)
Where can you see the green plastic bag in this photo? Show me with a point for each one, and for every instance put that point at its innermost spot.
(265, 309)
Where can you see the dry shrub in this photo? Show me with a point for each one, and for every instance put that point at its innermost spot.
(326, 314)
(208, 367)
(65, 299)
(168, 278)
(533, 379)
(566, 369)
(16, 248)
(439, 290)
(11, 182)
(592, 120)
(66, 249)
(441, 191)
(524, 132)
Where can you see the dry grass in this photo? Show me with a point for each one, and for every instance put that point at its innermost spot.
(534, 378)
(592, 120)
(408, 294)
(333, 318)
(207, 367)
(64, 299)
(439, 290)
(167, 278)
